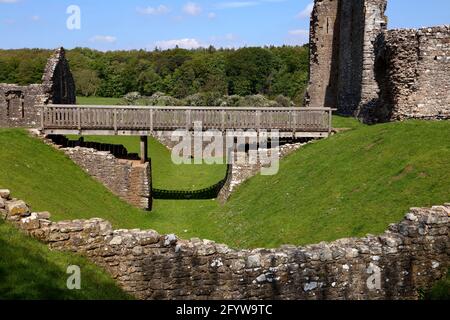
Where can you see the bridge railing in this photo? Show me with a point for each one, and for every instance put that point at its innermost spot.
(133, 118)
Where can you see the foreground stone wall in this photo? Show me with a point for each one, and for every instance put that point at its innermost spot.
(410, 256)
(18, 103)
(413, 68)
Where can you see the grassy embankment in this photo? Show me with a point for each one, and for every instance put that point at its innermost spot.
(354, 183)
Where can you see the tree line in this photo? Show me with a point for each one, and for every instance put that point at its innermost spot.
(268, 71)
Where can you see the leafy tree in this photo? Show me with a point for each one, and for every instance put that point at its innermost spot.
(249, 71)
(87, 82)
(211, 72)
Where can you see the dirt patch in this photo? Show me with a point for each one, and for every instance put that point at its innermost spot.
(374, 144)
(408, 169)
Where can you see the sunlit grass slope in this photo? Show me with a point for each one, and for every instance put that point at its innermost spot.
(29, 270)
(352, 184)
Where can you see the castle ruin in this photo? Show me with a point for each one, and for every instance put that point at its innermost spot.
(18, 103)
(375, 74)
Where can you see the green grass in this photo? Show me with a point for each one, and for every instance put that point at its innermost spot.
(354, 183)
(50, 181)
(28, 270)
(346, 123)
(99, 101)
(441, 290)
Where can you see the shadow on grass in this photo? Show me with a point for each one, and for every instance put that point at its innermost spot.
(209, 193)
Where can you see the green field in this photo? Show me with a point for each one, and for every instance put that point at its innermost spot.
(99, 101)
(441, 290)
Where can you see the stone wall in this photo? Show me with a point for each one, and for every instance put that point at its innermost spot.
(411, 255)
(128, 179)
(18, 103)
(413, 68)
(245, 169)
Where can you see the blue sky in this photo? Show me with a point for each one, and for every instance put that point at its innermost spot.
(145, 24)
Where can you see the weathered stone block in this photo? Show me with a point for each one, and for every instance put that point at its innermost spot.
(31, 223)
(44, 215)
(17, 208)
(5, 194)
(58, 236)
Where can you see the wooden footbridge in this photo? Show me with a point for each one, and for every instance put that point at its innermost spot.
(144, 121)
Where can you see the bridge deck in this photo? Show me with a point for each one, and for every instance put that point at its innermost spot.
(143, 121)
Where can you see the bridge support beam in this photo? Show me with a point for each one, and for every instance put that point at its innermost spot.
(144, 149)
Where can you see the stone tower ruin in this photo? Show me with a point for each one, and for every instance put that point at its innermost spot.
(342, 37)
(18, 103)
(364, 70)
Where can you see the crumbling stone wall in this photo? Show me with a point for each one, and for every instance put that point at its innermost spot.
(18, 103)
(128, 179)
(411, 255)
(413, 69)
(245, 169)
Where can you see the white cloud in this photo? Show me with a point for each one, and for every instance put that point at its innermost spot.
(236, 4)
(192, 9)
(153, 11)
(244, 4)
(103, 39)
(212, 15)
(35, 18)
(306, 13)
(299, 36)
(187, 43)
(9, 1)
(299, 32)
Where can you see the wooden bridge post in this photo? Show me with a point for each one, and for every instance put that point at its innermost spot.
(144, 149)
